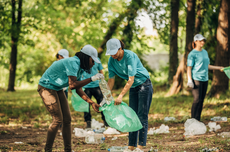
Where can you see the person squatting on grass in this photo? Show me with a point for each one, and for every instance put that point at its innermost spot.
(198, 64)
(128, 66)
(60, 74)
(93, 89)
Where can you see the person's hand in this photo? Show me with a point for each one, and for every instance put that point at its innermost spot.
(118, 100)
(97, 76)
(95, 106)
(190, 83)
(221, 69)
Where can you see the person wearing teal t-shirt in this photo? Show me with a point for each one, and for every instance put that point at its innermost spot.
(198, 64)
(93, 89)
(61, 74)
(127, 65)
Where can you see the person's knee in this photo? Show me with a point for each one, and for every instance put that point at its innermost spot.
(67, 120)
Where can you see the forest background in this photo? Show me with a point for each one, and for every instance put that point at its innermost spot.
(33, 31)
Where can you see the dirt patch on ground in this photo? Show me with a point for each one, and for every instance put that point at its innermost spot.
(27, 138)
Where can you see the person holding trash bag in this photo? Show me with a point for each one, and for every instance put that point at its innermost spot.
(128, 66)
(60, 74)
(63, 54)
(93, 89)
(198, 64)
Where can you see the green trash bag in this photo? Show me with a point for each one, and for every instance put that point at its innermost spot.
(121, 117)
(227, 71)
(78, 103)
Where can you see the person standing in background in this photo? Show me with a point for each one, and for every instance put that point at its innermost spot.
(127, 65)
(93, 89)
(198, 64)
(63, 54)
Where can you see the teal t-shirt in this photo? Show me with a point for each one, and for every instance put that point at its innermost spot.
(56, 76)
(199, 62)
(94, 70)
(129, 65)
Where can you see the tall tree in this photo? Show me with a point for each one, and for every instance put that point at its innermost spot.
(199, 18)
(15, 32)
(173, 49)
(178, 79)
(220, 81)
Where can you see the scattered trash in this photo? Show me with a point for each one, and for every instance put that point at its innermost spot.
(79, 132)
(100, 130)
(96, 124)
(127, 150)
(110, 131)
(138, 150)
(163, 129)
(24, 127)
(117, 148)
(18, 142)
(169, 119)
(60, 133)
(213, 126)
(114, 138)
(152, 150)
(212, 149)
(224, 134)
(194, 127)
(94, 138)
(218, 118)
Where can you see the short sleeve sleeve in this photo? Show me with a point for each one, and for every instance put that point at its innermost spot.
(99, 65)
(72, 67)
(190, 60)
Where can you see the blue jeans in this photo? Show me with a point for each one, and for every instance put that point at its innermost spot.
(140, 99)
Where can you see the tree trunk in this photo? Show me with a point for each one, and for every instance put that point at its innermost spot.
(220, 80)
(173, 51)
(199, 18)
(190, 20)
(15, 31)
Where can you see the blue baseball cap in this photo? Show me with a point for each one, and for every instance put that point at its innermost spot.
(90, 51)
(112, 46)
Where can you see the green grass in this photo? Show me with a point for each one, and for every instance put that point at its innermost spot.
(27, 106)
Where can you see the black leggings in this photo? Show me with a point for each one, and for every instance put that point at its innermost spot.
(198, 92)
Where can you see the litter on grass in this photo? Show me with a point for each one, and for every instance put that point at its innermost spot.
(163, 129)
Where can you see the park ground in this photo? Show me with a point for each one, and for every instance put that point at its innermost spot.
(23, 118)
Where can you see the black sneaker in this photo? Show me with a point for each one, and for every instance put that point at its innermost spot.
(88, 124)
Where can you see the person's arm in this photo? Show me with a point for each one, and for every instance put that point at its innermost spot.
(101, 72)
(111, 83)
(124, 90)
(74, 84)
(213, 67)
(189, 75)
(84, 96)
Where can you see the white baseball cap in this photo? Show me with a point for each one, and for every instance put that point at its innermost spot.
(198, 37)
(64, 53)
(112, 46)
(90, 51)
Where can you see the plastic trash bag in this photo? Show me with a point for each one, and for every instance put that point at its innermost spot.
(227, 71)
(194, 127)
(121, 117)
(213, 126)
(163, 129)
(78, 103)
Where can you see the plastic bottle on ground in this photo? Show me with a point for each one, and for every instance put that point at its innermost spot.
(218, 118)
(117, 148)
(95, 139)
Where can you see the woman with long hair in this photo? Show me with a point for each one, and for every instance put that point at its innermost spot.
(198, 64)
(60, 74)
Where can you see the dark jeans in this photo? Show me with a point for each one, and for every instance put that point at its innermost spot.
(57, 105)
(198, 92)
(140, 99)
(96, 92)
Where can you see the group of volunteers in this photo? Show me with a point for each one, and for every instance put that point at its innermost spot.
(85, 69)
